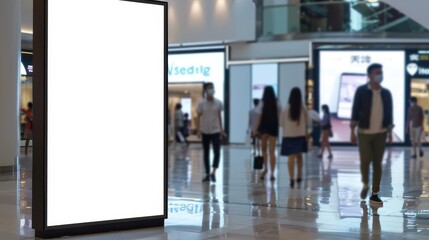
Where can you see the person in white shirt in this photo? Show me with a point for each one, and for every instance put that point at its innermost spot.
(253, 116)
(209, 128)
(294, 120)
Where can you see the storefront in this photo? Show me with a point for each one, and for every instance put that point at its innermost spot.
(417, 74)
(187, 72)
(340, 70)
(247, 80)
(26, 86)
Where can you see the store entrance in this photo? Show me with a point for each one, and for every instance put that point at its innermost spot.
(26, 95)
(187, 94)
(420, 90)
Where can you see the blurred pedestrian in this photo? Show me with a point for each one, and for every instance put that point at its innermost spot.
(294, 119)
(210, 129)
(178, 123)
(414, 126)
(372, 113)
(326, 132)
(253, 117)
(267, 128)
(28, 131)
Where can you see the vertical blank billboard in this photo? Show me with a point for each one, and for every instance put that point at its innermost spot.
(104, 111)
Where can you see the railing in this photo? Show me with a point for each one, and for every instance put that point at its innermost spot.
(350, 16)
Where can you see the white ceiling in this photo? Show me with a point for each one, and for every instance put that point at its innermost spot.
(27, 24)
(27, 16)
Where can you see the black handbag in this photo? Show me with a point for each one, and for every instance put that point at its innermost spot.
(258, 160)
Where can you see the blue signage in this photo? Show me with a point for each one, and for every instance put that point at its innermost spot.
(188, 70)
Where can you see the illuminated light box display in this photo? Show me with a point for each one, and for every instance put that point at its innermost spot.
(342, 71)
(198, 67)
(417, 74)
(93, 169)
(264, 75)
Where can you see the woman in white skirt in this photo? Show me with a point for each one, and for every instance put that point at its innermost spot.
(293, 121)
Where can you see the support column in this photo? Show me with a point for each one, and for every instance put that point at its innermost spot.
(10, 58)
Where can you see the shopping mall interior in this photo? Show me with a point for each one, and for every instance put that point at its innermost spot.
(99, 155)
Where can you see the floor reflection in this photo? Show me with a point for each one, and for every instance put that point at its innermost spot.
(375, 231)
(239, 205)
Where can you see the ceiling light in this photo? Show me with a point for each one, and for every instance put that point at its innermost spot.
(26, 31)
(372, 1)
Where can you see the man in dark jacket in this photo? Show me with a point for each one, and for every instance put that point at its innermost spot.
(372, 114)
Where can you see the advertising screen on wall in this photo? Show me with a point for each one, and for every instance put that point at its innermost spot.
(264, 75)
(341, 72)
(99, 168)
(198, 67)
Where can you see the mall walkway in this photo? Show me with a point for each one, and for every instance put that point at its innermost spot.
(240, 206)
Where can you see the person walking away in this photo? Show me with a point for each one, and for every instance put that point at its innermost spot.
(372, 114)
(28, 132)
(178, 123)
(315, 126)
(294, 120)
(414, 126)
(267, 128)
(253, 116)
(326, 132)
(186, 127)
(210, 129)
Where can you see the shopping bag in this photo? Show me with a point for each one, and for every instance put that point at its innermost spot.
(258, 162)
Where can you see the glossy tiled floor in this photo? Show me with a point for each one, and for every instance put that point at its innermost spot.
(241, 206)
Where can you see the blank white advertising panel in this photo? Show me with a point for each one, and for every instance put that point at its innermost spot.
(105, 121)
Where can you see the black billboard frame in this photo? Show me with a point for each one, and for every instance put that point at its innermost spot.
(39, 184)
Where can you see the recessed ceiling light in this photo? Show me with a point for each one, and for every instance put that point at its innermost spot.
(26, 31)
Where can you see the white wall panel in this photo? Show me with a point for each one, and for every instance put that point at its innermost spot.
(291, 75)
(193, 21)
(240, 101)
(260, 50)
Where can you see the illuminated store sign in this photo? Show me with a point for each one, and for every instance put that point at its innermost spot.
(191, 70)
(418, 63)
(198, 67)
(27, 63)
(23, 70)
